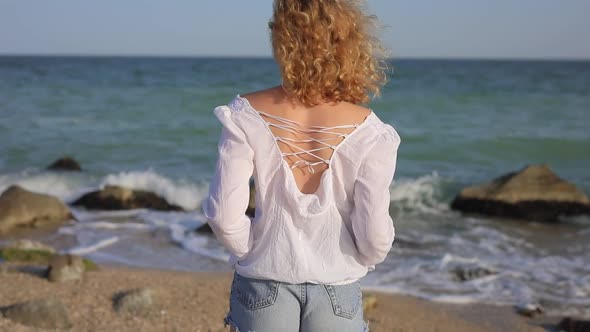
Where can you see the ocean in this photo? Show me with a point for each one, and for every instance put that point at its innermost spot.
(147, 123)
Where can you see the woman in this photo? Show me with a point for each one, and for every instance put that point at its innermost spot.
(322, 164)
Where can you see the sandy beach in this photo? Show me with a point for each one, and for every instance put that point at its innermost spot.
(198, 301)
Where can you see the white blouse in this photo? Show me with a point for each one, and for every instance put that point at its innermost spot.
(333, 236)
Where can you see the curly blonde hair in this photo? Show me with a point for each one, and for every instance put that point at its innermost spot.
(327, 51)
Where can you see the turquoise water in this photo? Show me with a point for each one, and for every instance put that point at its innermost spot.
(468, 120)
(147, 123)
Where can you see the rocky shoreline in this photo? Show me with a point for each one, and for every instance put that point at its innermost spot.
(44, 289)
(119, 298)
(533, 193)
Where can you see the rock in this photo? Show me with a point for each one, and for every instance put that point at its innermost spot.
(574, 325)
(466, 273)
(25, 244)
(49, 313)
(204, 229)
(120, 198)
(369, 302)
(65, 164)
(139, 301)
(65, 267)
(21, 208)
(4, 269)
(36, 256)
(529, 309)
(533, 193)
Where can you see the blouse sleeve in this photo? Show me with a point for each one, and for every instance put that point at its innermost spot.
(371, 223)
(229, 191)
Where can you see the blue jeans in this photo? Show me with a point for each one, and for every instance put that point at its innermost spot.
(264, 305)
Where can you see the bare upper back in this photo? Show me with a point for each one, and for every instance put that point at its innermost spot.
(274, 102)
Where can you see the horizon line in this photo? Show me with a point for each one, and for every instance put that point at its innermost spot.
(251, 56)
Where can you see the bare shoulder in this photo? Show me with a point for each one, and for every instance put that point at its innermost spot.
(275, 101)
(357, 112)
(266, 97)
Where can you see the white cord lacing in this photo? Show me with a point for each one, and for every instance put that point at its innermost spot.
(298, 128)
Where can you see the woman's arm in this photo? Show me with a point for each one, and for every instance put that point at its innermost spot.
(372, 225)
(229, 190)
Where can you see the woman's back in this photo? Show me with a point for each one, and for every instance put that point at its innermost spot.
(307, 136)
(333, 235)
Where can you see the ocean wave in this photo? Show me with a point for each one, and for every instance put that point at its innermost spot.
(200, 244)
(425, 194)
(68, 186)
(183, 193)
(507, 268)
(59, 184)
(86, 249)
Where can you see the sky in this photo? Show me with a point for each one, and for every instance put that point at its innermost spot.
(535, 29)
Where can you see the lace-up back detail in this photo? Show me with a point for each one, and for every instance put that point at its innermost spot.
(298, 129)
(302, 146)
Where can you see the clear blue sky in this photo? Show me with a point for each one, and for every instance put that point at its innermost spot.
(415, 28)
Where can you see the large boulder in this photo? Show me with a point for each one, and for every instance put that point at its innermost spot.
(467, 273)
(37, 256)
(21, 208)
(33, 256)
(137, 301)
(65, 267)
(65, 164)
(46, 313)
(533, 193)
(121, 198)
(204, 229)
(26, 244)
(574, 325)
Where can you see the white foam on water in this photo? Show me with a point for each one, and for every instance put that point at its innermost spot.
(63, 185)
(521, 274)
(111, 225)
(420, 195)
(69, 186)
(182, 193)
(199, 244)
(189, 219)
(83, 214)
(84, 250)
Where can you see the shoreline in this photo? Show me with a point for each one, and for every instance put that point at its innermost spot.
(198, 301)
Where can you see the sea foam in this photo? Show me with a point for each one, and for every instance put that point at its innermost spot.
(424, 194)
(183, 193)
